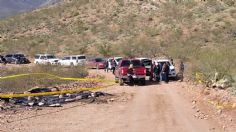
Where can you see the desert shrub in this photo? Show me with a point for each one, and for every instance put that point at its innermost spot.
(229, 2)
(23, 83)
(211, 61)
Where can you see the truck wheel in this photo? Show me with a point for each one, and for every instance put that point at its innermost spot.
(143, 82)
(116, 80)
(71, 64)
(121, 82)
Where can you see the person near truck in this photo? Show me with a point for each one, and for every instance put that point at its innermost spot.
(113, 64)
(130, 74)
(181, 71)
(106, 66)
(156, 72)
(165, 72)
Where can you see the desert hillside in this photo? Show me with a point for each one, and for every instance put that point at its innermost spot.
(202, 33)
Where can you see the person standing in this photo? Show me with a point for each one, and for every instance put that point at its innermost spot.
(113, 64)
(106, 66)
(163, 72)
(156, 71)
(181, 71)
(130, 74)
(167, 70)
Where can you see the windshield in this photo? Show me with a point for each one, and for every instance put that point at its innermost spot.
(51, 57)
(99, 60)
(147, 62)
(126, 63)
(18, 55)
(118, 59)
(162, 63)
(136, 63)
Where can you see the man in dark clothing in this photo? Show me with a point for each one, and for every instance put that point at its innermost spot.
(156, 71)
(113, 64)
(106, 66)
(167, 70)
(181, 71)
(130, 74)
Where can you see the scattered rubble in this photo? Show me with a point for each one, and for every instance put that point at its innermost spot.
(52, 100)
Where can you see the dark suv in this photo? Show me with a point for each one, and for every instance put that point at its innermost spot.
(16, 59)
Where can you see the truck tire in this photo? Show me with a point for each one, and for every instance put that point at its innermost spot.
(116, 80)
(71, 64)
(143, 82)
(121, 82)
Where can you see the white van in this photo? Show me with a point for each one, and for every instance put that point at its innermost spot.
(73, 60)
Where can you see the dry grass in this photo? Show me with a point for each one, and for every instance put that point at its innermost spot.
(24, 83)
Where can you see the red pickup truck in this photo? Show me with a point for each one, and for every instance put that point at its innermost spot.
(139, 71)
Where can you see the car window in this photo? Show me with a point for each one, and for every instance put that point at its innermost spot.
(18, 55)
(36, 56)
(162, 63)
(147, 62)
(66, 58)
(136, 63)
(43, 57)
(99, 60)
(118, 59)
(125, 63)
(81, 57)
(74, 58)
(51, 57)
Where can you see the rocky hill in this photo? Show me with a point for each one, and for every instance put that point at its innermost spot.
(200, 32)
(12, 7)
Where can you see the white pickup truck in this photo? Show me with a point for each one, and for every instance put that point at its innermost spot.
(46, 59)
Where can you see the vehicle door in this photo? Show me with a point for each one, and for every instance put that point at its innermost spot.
(74, 60)
(9, 58)
(43, 59)
(81, 59)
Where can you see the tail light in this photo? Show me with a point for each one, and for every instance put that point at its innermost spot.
(145, 71)
(122, 71)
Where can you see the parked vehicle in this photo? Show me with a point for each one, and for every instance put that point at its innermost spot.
(73, 60)
(117, 59)
(147, 64)
(2, 59)
(16, 59)
(97, 63)
(139, 71)
(172, 72)
(46, 59)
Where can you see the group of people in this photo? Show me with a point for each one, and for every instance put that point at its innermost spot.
(161, 71)
(112, 67)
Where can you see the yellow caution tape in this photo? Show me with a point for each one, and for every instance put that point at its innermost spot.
(53, 93)
(55, 76)
(56, 92)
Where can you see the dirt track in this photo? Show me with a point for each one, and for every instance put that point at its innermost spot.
(151, 108)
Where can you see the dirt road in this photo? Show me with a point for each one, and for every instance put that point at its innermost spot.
(151, 108)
